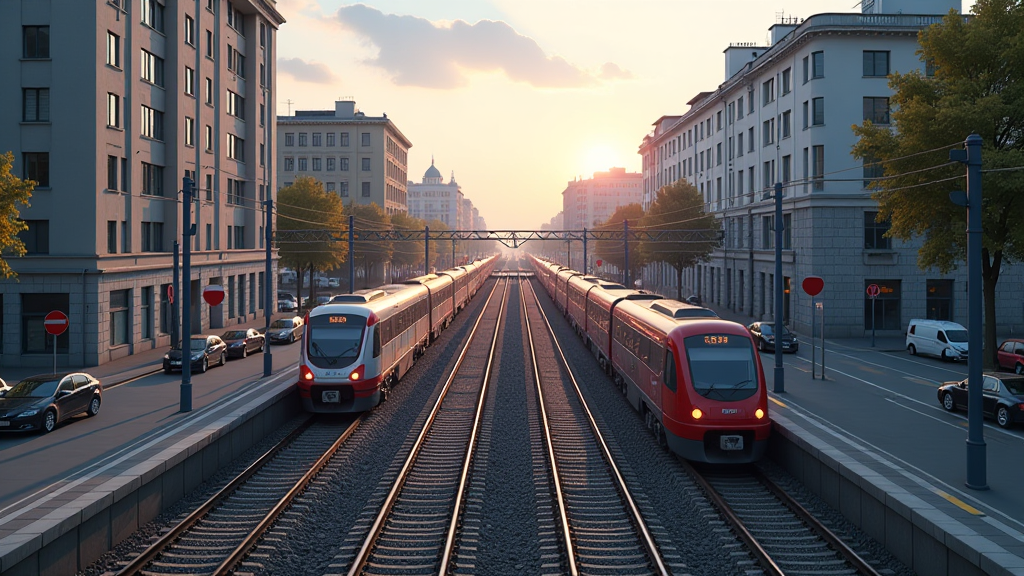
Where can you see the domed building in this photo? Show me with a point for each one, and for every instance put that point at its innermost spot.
(433, 199)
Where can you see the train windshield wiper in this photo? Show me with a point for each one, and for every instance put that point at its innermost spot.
(330, 359)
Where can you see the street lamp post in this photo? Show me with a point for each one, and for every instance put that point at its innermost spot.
(780, 373)
(187, 189)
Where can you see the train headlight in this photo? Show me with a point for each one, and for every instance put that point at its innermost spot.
(759, 413)
(354, 375)
(697, 414)
(305, 374)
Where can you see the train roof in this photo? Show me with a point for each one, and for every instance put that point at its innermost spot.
(359, 296)
(681, 310)
(660, 321)
(421, 279)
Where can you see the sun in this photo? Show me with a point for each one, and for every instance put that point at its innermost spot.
(598, 158)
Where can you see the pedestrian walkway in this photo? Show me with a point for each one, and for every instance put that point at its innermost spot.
(129, 367)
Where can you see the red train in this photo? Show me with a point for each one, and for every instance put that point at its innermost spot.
(696, 378)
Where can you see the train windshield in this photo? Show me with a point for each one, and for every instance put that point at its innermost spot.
(722, 366)
(334, 340)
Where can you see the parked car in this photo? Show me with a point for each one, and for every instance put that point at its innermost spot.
(4, 386)
(1002, 397)
(39, 403)
(333, 283)
(323, 299)
(285, 330)
(1011, 355)
(204, 351)
(287, 302)
(947, 340)
(764, 334)
(241, 343)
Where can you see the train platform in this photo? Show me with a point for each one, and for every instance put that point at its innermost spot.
(68, 496)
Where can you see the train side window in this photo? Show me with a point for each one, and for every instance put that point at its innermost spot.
(645, 349)
(657, 357)
(670, 371)
(376, 342)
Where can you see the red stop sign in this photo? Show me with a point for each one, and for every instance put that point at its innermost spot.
(813, 285)
(213, 294)
(55, 323)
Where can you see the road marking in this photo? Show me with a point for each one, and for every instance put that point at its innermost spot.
(885, 368)
(772, 398)
(916, 380)
(893, 356)
(959, 503)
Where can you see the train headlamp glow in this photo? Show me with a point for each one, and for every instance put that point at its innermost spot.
(697, 414)
(354, 375)
(759, 413)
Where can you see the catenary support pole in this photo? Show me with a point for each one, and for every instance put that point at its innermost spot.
(976, 457)
(186, 305)
(780, 374)
(175, 296)
(585, 261)
(426, 249)
(268, 304)
(351, 255)
(625, 249)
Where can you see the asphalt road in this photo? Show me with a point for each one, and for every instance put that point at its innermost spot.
(886, 401)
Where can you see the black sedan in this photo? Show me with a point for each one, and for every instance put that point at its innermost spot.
(285, 330)
(241, 343)
(204, 351)
(764, 336)
(39, 403)
(1002, 397)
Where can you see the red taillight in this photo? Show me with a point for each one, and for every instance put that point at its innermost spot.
(305, 319)
(305, 374)
(372, 319)
(358, 373)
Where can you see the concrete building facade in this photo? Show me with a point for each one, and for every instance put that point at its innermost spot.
(783, 114)
(434, 199)
(110, 104)
(590, 202)
(363, 159)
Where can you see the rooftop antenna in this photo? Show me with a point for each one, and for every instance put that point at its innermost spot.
(289, 102)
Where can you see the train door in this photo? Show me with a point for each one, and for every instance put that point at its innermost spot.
(670, 405)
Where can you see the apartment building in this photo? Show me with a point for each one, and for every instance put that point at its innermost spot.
(783, 114)
(589, 202)
(109, 105)
(363, 159)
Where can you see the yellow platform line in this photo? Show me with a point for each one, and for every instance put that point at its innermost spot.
(959, 503)
(777, 402)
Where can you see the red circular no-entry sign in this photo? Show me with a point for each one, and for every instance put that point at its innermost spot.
(213, 294)
(56, 323)
(873, 290)
(813, 285)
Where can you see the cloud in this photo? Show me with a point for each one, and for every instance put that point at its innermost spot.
(417, 52)
(611, 71)
(312, 72)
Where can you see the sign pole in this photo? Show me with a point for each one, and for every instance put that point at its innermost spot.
(54, 353)
(872, 320)
(185, 395)
(822, 342)
(814, 355)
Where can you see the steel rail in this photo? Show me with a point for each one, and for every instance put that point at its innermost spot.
(635, 516)
(363, 555)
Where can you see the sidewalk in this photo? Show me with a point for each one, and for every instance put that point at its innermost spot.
(129, 367)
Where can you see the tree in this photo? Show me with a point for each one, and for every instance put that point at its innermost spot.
(613, 251)
(14, 192)
(306, 206)
(374, 252)
(407, 253)
(978, 86)
(680, 206)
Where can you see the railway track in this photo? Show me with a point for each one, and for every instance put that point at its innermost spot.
(415, 530)
(602, 528)
(215, 537)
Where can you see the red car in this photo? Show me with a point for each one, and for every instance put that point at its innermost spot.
(1011, 355)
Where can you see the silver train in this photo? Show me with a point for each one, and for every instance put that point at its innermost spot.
(359, 345)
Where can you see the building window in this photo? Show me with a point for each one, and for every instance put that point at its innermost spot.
(939, 299)
(236, 62)
(344, 138)
(152, 179)
(35, 105)
(208, 138)
(236, 105)
(124, 237)
(190, 30)
(330, 139)
(874, 233)
(209, 91)
(787, 81)
(289, 139)
(303, 164)
(209, 187)
(768, 132)
(236, 148)
(289, 164)
(113, 110)
(113, 50)
(263, 154)
(818, 167)
(317, 164)
(209, 236)
(718, 154)
(873, 169)
(768, 92)
(787, 169)
(152, 123)
(739, 108)
(153, 14)
(365, 139)
(112, 162)
(366, 189)
(119, 317)
(152, 68)
(787, 231)
(886, 305)
(190, 132)
(263, 35)
(739, 143)
(767, 232)
(330, 164)
(318, 139)
(111, 236)
(34, 308)
(36, 237)
(807, 114)
(343, 189)
(235, 19)
(343, 164)
(146, 311)
(236, 192)
(818, 111)
(365, 164)
(876, 62)
(303, 139)
(209, 44)
(239, 232)
(768, 174)
(876, 109)
(37, 168)
(787, 121)
(35, 41)
(263, 74)
(152, 234)
(263, 113)
(817, 65)
(190, 81)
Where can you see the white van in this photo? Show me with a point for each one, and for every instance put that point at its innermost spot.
(947, 340)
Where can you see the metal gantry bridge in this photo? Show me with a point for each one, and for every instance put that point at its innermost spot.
(509, 238)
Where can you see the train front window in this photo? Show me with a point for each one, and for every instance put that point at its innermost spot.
(335, 339)
(722, 366)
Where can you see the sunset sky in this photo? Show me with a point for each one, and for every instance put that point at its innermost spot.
(518, 97)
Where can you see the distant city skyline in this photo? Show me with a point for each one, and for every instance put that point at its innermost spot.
(519, 98)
